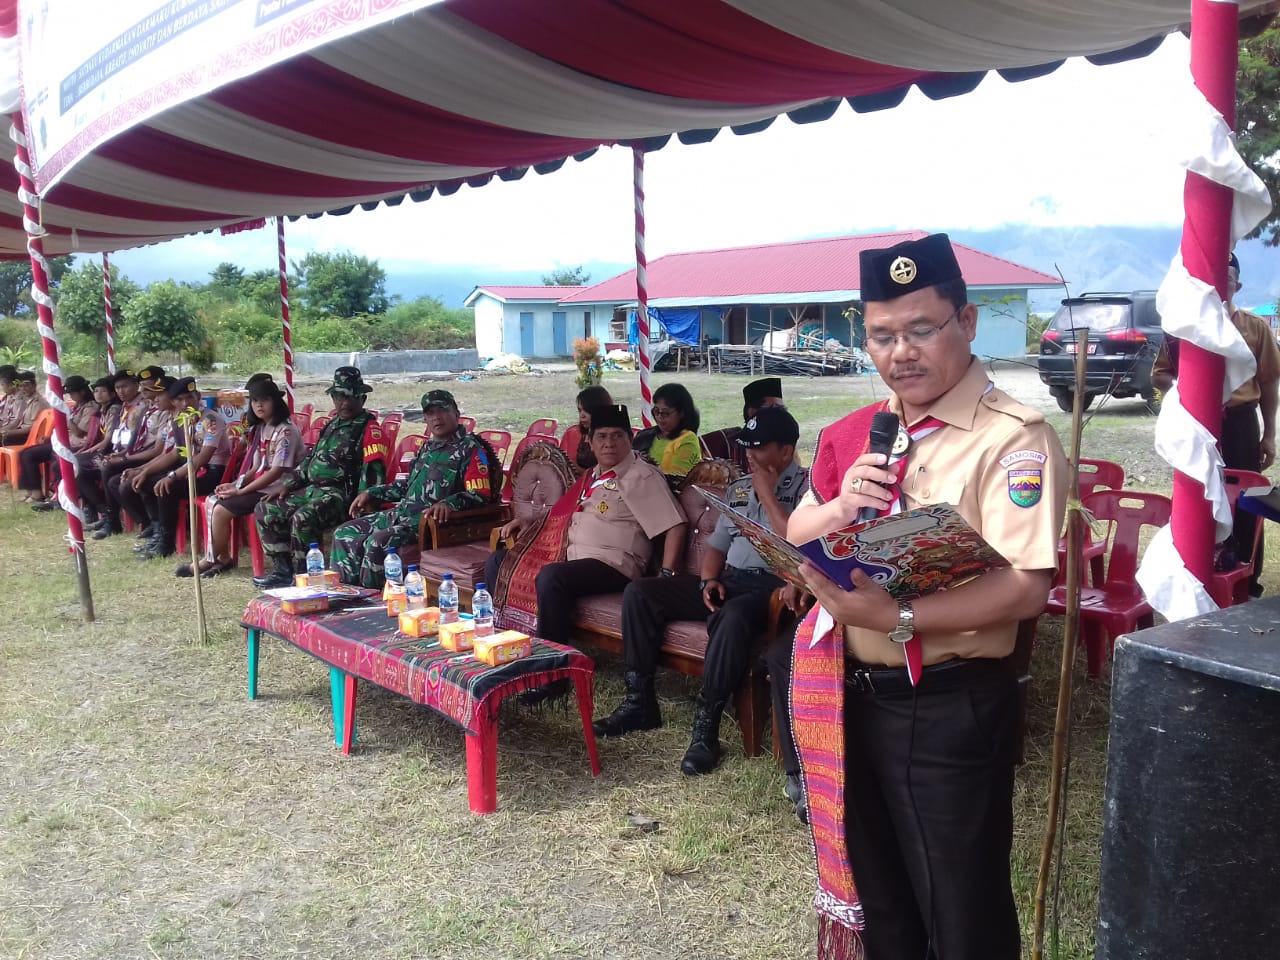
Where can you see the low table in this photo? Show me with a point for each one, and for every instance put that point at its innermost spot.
(363, 643)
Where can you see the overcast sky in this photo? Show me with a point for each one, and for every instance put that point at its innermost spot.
(1085, 145)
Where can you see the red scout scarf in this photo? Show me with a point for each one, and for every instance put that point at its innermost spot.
(817, 699)
(516, 594)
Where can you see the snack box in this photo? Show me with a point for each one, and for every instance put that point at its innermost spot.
(397, 601)
(421, 622)
(502, 647)
(457, 636)
(309, 604)
(330, 580)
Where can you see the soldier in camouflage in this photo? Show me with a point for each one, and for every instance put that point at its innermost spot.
(348, 457)
(454, 470)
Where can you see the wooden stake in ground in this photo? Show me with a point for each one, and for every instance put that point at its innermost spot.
(189, 420)
(1076, 519)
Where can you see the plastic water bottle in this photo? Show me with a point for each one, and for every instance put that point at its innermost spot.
(448, 599)
(392, 568)
(482, 611)
(415, 590)
(315, 566)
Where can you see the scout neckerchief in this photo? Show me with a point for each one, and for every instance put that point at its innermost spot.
(817, 696)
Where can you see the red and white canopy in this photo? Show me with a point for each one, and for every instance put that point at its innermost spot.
(151, 120)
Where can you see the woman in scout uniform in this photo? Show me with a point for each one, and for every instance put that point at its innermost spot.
(349, 456)
(453, 470)
(274, 448)
(30, 477)
(920, 693)
(673, 443)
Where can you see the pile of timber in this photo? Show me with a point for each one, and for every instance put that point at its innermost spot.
(796, 363)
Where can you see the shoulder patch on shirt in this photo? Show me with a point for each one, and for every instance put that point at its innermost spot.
(1025, 487)
(1020, 455)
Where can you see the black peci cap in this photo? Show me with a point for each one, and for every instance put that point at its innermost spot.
(907, 267)
(610, 415)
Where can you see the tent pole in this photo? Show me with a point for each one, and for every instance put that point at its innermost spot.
(1206, 242)
(53, 385)
(106, 308)
(284, 313)
(642, 286)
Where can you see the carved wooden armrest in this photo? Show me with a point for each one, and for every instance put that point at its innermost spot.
(463, 526)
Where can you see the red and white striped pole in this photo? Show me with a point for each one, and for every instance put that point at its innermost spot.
(1206, 243)
(106, 306)
(284, 314)
(642, 288)
(53, 384)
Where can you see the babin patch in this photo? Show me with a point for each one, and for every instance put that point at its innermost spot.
(610, 484)
(1019, 455)
(604, 507)
(1024, 487)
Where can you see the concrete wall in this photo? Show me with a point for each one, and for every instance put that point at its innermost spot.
(489, 325)
(394, 361)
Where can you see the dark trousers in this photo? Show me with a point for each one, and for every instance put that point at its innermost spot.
(1242, 450)
(167, 504)
(778, 658)
(92, 484)
(561, 585)
(649, 604)
(29, 462)
(929, 815)
(139, 504)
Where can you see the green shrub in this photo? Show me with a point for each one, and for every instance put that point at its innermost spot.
(330, 335)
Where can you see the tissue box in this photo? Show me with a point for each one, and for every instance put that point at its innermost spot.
(421, 622)
(502, 647)
(457, 636)
(309, 604)
(330, 580)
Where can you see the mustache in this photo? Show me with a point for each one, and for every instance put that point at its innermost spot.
(907, 369)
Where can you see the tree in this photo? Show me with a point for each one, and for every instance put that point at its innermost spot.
(80, 303)
(1258, 117)
(163, 317)
(15, 284)
(342, 284)
(567, 277)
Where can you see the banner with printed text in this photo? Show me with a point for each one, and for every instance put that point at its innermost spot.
(91, 69)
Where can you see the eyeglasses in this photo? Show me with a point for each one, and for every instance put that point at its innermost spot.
(665, 412)
(918, 336)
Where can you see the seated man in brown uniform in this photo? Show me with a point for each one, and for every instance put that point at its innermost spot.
(596, 539)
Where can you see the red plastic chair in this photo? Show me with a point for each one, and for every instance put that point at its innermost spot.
(546, 427)
(312, 433)
(301, 419)
(402, 459)
(469, 423)
(1118, 606)
(390, 431)
(41, 430)
(1093, 474)
(229, 472)
(1229, 587)
(500, 440)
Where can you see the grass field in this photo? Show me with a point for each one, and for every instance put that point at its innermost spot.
(147, 809)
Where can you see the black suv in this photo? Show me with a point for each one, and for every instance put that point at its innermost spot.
(1124, 338)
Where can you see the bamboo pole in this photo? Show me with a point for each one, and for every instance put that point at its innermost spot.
(1070, 628)
(190, 420)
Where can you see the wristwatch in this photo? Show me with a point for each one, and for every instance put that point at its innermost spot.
(906, 628)
(668, 572)
(703, 584)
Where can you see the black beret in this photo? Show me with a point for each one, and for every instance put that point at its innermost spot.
(770, 425)
(907, 267)
(104, 383)
(181, 386)
(151, 372)
(26, 376)
(74, 384)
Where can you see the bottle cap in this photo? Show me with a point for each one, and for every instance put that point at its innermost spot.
(448, 576)
(479, 585)
(315, 546)
(413, 567)
(391, 549)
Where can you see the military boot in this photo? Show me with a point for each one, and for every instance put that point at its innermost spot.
(638, 710)
(704, 752)
(281, 575)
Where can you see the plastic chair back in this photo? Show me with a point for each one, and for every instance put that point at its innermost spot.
(500, 440)
(1129, 511)
(468, 423)
(390, 431)
(1099, 473)
(546, 427)
(301, 419)
(313, 431)
(405, 451)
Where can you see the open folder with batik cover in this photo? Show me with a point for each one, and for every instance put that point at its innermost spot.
(909, 554)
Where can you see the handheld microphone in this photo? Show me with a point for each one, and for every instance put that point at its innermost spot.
(884, 431)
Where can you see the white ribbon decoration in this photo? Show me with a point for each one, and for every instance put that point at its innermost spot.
(69, 503)
(1191, 310)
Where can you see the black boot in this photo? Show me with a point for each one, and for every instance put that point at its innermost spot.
(160, 546)
(638, 710)
(704, 752)
(281, 575)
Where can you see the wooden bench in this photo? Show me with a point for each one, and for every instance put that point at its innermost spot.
(363, 643)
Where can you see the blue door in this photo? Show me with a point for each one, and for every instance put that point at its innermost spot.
(526, 334)
(560, 334)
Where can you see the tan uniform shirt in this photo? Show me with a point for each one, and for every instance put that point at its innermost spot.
(1262, 344)
(616, 520)
(991, 457)
(23, 411)
(78, 423)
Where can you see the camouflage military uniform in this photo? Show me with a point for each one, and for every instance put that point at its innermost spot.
(458, 471)
(348, 457)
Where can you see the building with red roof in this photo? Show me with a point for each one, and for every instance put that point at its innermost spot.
(741, 295)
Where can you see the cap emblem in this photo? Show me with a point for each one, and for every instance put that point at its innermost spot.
(902, 270)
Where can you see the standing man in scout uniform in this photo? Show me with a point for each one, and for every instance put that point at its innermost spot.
(605, 524)
(348, 457)
(756, 395)
(731, 593)
(453, 470)
(921, 694)
(1243, 447)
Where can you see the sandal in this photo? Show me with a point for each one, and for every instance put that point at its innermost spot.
(217, 568)
(184, 570)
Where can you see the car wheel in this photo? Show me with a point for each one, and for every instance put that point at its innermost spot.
(1088, 401)
(1152, 399)
(1066, 401)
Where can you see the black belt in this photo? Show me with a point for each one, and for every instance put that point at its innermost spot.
(751, 571)
(864, 678)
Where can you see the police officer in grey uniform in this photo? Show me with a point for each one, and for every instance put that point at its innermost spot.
(731, 595)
